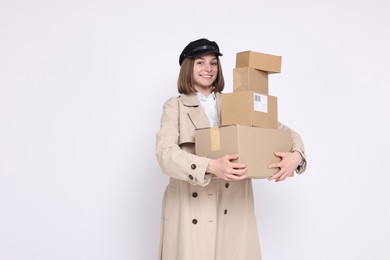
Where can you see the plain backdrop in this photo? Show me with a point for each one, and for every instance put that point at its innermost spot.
(82, 85)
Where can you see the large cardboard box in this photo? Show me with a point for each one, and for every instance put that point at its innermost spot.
(247, 78)
(254, 145)
(260, 61)
(249, 108)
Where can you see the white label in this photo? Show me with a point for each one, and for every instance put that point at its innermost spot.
(260, 103)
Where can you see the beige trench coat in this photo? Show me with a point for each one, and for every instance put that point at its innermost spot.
(202, 218)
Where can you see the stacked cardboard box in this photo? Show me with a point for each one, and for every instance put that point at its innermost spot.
(249, 118)
(250, 104)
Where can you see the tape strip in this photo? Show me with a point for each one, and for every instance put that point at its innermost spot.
(215, 139)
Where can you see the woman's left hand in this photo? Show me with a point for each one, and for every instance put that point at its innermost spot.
(288, 164)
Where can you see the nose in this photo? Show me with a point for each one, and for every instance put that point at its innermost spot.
(208, 67)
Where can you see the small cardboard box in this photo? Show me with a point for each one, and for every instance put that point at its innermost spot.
(260, 61)
(250, 79)
(249, 108)
(254, 145)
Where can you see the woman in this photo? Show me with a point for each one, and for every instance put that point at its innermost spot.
(206, 218)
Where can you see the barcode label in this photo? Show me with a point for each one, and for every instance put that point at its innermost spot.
(260, 103)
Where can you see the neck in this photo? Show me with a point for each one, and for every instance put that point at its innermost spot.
(204, 91)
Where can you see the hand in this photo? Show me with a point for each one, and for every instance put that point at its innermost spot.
(289, 162)
(227, 170)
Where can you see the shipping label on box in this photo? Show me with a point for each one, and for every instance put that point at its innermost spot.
(254, 145)
(250, 79)
(260, 103)
(260, 61)
(250, 109)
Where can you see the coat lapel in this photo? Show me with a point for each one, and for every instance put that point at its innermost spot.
(196, 113)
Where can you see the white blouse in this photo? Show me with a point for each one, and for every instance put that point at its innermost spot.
(209, 105)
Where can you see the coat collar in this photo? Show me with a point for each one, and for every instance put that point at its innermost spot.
(190, 100)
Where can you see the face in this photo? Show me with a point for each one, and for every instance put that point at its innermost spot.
(205, 72)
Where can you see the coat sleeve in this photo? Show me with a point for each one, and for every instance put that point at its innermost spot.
(297, 146)
(174, 161)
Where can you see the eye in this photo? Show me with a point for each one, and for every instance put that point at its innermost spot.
(214, 63)
(200, 62)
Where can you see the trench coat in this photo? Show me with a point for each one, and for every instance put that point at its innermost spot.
(202, 218)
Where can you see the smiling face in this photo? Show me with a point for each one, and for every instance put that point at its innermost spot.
(205, 72)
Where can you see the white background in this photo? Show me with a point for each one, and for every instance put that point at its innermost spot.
(82, 85)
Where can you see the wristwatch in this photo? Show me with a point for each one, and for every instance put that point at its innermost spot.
(301, 163)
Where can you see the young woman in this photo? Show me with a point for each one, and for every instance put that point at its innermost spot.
(206, 218)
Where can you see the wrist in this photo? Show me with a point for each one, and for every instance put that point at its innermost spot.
(299, 158)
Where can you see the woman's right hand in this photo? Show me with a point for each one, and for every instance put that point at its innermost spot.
(227, 170)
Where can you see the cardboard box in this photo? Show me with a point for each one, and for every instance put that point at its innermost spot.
(250, 79)
(260, 61)
(250, 109)
(255, 146)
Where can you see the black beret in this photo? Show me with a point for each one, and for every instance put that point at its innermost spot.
(199, 47)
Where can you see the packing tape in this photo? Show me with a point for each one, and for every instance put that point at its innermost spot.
(215, 139)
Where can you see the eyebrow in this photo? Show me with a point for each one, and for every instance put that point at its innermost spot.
(201, 58)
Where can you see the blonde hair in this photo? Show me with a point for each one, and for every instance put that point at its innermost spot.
(185, 82)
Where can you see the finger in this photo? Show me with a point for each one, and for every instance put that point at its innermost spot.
(274, 165)
(279, 174)
(231, 157)
(239, 172)
(284, 176)
(280, 154)
(281, 178)
(237, 165)
(276, 175)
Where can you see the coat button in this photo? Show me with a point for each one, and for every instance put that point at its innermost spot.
(194, 221)
(193, 166)
(227, 185)
(191, 177)
(225, 211)
(194, 194)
